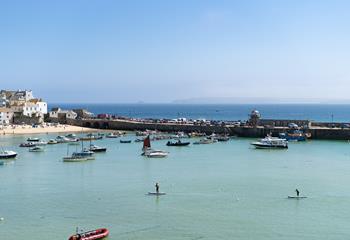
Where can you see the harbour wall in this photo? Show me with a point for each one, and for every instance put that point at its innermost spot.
(317, 130)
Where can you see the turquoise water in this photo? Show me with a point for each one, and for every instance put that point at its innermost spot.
(218, 191)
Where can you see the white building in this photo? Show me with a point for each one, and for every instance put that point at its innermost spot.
(34, 108)
(6, 116)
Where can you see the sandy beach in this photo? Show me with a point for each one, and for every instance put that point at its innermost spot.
(45, 128)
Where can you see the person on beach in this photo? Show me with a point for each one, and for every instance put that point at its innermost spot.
(297, 192)
(157, 188)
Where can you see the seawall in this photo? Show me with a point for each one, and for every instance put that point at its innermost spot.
(317, 130)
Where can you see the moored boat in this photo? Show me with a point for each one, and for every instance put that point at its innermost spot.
(52, 141)
(33, 139)
(125, 141)
(151, 153)
(271, 143)
(94, 148)
(6, 154)
(91, 235)
(27, 144)
(177, 144)
(36, 149)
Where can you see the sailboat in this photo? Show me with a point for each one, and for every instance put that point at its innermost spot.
(151, 153)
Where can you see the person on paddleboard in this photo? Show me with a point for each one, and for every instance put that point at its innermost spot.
(297, 192)
(157, 188)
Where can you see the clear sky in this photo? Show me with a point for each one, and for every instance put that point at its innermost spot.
(160, 51)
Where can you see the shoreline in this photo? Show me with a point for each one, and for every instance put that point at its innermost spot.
(15, 130)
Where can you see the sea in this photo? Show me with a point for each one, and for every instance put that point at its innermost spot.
(224, 190)
(232, 112)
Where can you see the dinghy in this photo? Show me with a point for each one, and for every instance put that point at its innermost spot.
(91, 235)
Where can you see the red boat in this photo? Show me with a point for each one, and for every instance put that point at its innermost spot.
(91, 235)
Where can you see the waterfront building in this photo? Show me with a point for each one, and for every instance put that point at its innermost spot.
(6, 116)
(23, 105)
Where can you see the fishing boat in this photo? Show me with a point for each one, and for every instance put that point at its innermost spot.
(32, 139)
(94, 148)
(151, 153)
(125, 141)
(84, 155)
(295, 135)
(177, 144)
(91, 235)
(52, 141)
(28, 144)
(36, 149)
(271, 143)
(6, 154)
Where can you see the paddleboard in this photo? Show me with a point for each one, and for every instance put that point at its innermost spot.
(156, 194)
(296, 197)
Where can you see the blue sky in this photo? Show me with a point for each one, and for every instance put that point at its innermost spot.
(160, 51)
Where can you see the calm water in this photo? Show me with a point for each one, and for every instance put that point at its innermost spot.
(219, 191)
(317, 112)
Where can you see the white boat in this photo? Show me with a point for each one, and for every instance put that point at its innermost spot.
(52, 141)
(41, 143)
(155, 153)
(6, 154)
(271, 143)
(205, 141)
(33, 139)
(36, 149)
(151, 153)
(94, 148)
(62, 139)
(113, 135)
(75, 159)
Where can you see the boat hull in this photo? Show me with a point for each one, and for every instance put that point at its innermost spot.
(91, 235)
(262, 146)
(8, 156)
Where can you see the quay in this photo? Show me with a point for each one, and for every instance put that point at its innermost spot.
(255, 127)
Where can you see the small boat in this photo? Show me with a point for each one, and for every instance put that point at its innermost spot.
(205, 141)
(74, 159)
(6, 154)
(177, 144)
(151, 153)
(33, 139)
(94, 148)
(52, 141)
(36, 149)
(71, 135)
(41, 143)
(91, 138)
(62, 139)
(112, 135)
(223, 138)
(28, 144)
(91, 235)
(84, 154)
(139, 140)
(271, 143)
(125, 141)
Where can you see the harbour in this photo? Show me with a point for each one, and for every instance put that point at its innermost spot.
(232, 189)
